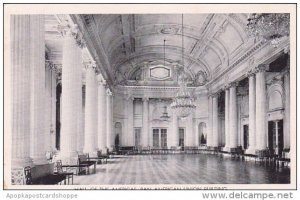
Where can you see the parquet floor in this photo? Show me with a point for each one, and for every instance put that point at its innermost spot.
(180, 169)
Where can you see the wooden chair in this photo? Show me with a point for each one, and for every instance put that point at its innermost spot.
(83, 160)
(59, 170)
(27, 175)
(47, 179)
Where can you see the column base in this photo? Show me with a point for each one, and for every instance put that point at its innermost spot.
(226, 149)
(39, 160)
(90, 151)
(250, 150)
(22, 162)
(70, 158)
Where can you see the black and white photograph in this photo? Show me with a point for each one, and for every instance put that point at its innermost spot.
(150, 96)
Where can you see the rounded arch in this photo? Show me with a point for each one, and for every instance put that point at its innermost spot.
(275, 97)
(202, 133)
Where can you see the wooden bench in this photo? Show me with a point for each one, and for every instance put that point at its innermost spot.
(100, 158)
(127, 150)
(43, 175)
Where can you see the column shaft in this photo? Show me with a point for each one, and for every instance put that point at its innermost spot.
(215, 121)
(286, 120)
(252, 111)
(130, 136)
(209, 141)
(90, 139)
(145, 134)
(110, 136)
(190, 140)
(261, 121)
(101, 116)
(227, 115)
(276, 138)
(175, 134)
(37, 98)
(233, 117)
(53, 113)
(69, 97)
(80, 119)
(47, 109)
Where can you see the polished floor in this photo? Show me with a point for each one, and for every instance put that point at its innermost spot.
(181, 169)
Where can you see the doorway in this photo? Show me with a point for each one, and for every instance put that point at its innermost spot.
(137, 137)
(246, 136)
(181, 138)
(275, 136)
(160, 137)
(202, 133)
(118, 135)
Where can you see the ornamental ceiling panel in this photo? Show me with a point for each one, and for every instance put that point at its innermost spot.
(231, 38)
(123, 42)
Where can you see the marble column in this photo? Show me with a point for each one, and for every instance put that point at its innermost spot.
(261, 115)
(209, 141)
(233, 116)
(129, 111)
(20, 94)
(190, 139)
(47, 109)
(145, 133)
(275, 146)
(287, 104)
(109, 120)
(39, 129)
(252, 111)
(101, 114)
(215, 120)
(175, 129)
(53, 109)
(90, 135)
(227, 116)
(71, 68)
(80, 116)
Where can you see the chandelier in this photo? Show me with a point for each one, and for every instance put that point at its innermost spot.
(165, 116)
(272, 26)
(183, 102)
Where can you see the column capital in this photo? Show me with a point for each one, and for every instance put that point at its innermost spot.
(145, 99)
(48, 64)
(100, 80)
(260, 68)
(215, 95)
(233, 84)
(68, 30)
(108, 92)
(250, 73)
(129, 98)
(90, 65)
(226, 87)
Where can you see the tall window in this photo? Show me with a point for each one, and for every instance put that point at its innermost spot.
(137, 136)
(156, 137)
(164, 138)
(160, 138)
(181, 137)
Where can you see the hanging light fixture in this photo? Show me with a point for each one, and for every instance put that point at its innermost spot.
(183, 104)
(165, 116)
(270, 26)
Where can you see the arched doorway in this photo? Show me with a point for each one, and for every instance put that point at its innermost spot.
(118, 135)
(202, 133)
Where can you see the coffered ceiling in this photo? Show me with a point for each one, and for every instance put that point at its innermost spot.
(123, 43)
